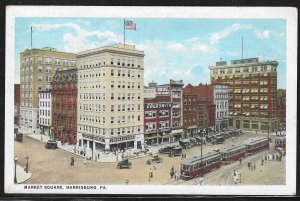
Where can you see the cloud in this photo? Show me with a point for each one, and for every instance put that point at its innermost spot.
(263, 34)
(201, 47)
(79, 41)
(215, 37)
(178, 47)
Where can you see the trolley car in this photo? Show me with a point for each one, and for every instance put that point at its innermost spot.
(232, 153)
(195, 166)
(254, 145)
(280, 143)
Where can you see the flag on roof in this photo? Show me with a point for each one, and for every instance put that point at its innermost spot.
(130, 25)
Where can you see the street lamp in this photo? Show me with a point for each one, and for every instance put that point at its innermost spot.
(27, 157)
(16, 159)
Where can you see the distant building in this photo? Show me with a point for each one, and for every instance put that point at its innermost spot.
(45, 112)
(163, 113)
(252, 91)
(150, 90)
(281, 108)
(37, 67)
(64, 106)
(17, 104)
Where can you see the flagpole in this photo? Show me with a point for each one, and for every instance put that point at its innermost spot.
(31, 37)
(124, 33)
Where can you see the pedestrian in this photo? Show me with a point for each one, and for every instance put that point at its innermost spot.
(84, 161)
(171, 174)
(178, 175)
(273, 157)
(249, 165)
(195, 183)
(72, 161)
(172, 169)
(262, 162)
(175, 175)
(201, 181)
(265, 158)
(235, 179)
(240, 161)
(254, 166)
(182, 156)
(234, 173)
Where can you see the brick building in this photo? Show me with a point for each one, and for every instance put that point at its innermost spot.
(17, 104)
(64, 106)
(163, 112)
(252, 91)
(281, 108)
(198, 109)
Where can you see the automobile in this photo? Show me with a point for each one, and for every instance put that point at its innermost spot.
(165, 150)
(51, 144)
(209, 138)
(18, 137)
(193, 142)
(125, 163)
(185, 143)
(200, 140)
(154, 159)
(176, 151)
(218, 140)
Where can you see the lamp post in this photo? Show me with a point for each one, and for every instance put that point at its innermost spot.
(15, 159)
(27, 157)
(93, 144)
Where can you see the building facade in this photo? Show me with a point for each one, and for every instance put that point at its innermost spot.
(37, 67)
(281, 108)
(110, 98)
(252, 91)
(220, 94)
(17, 104)
(45, 105)
(150, 90)
(64, 106)
(199, 110)
(163, 113)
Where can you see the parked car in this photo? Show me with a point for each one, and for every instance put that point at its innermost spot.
(200, 140)
(209, 138)
(176, 151)
(124, 163)
(185, 143)
(140, 151)
(218, 140)
(51, 144)
(165, 150)
(193, 142)
(18, 137)
(154, 159)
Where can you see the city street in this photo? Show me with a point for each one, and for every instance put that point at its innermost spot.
(53, 167)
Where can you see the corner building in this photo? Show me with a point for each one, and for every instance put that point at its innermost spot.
(110, 98)
(252, 91)
(37, 67)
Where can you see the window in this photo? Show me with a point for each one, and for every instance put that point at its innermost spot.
(112, 84)
(112, 108)
(112, 119)
(112, 96)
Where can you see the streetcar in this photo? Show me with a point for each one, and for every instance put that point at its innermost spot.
(198, 165)
(257, 144)
(232, 153)
(280, 143)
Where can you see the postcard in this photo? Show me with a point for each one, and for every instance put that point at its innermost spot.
(151, 100)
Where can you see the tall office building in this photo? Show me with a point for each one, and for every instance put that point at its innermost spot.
(37, 67)
(110, 98)
(252, 90)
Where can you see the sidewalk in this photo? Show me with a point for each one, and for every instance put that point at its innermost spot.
(22, 176)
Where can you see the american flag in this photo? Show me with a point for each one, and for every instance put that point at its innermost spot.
(130, 25)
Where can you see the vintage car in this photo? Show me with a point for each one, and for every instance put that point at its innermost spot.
(51, 144)
(154, 159)
(193, 142)
(176, 151)
(124, 163)
(140, 151)
(217, 140)
(165, 150)
(18, 137)
(185, 144)
(200, 140)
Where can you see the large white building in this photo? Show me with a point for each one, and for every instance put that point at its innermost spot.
(110, 98)
(45, 112)
(221, 101)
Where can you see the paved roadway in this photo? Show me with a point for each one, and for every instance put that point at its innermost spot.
(53, 166)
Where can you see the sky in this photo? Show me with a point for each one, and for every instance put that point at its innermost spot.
(175, 48)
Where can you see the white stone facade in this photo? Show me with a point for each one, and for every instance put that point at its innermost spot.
(28, 118)
(110, 98)
(45, 112)
(221, 102)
